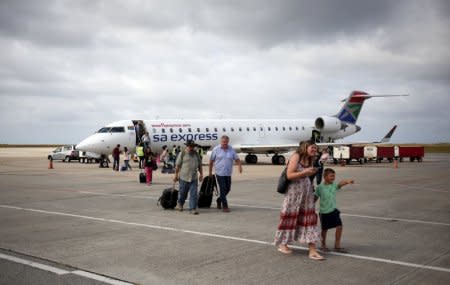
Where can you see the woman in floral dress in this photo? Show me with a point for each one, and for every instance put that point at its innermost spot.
(298, 218)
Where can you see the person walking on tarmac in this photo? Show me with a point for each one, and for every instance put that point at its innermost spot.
(222, 157)
(201, 152)
(140, 154)
(126, 159)
(149, 163)
(116, 157)
(164, 155)
(187, 165)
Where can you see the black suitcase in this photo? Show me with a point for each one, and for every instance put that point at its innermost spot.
(142, 177)
(169, 198)
(206, 193)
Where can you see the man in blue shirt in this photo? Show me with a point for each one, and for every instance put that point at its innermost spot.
(223, 157)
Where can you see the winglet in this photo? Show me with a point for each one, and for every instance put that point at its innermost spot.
(388, 136)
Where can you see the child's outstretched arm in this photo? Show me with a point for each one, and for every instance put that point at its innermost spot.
(345, 182)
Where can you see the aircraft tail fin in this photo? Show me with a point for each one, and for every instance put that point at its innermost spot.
(352, 107)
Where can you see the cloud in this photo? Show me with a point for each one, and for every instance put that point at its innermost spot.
(82, 64)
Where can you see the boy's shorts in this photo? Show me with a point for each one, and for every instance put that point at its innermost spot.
(330, 220)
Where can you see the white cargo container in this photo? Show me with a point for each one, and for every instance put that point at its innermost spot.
(370, 152)
(341, 152)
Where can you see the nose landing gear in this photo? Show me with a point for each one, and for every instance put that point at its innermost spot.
(104, 160)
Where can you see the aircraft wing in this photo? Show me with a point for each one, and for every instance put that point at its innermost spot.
(384, 140)
(266, 148)
(283, 148)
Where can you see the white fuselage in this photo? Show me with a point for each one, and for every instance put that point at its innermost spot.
(207, 133)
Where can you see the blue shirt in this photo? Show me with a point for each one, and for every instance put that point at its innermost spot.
(224, 160)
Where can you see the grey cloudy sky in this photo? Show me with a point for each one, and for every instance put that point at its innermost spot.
(69, 67)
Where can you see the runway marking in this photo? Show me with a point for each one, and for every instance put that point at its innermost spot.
(34, 264)
(391, 219)
(60, 272)
(150, 226)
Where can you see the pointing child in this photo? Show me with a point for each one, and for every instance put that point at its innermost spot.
(329, 214)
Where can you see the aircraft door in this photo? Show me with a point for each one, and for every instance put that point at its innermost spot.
(315, 137)
(140, 129)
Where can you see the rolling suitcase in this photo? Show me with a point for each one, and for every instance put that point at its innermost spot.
(142, 177)
(169, 198)
(206, 192)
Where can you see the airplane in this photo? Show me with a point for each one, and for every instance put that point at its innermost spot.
(251, 136)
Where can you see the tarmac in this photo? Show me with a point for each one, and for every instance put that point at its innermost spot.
(81, 224)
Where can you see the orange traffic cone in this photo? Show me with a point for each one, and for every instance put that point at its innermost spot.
(50, 164)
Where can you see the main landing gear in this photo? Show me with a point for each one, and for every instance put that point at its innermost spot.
(278, 159)
(251, 159)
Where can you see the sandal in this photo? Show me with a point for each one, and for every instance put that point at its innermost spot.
(285, 250)
(316, 257)
(340, 250)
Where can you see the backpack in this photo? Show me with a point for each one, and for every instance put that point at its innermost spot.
(207, 189)
(169, 198)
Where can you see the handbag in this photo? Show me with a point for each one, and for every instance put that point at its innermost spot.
(283, 182)
(154, 165)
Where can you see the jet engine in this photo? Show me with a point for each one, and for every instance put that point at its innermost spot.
(328, 124)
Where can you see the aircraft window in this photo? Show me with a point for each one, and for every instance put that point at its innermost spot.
(215, 129)
(276, 129)
(284, 128)
(290, 128)
(232, 129)
(207, 130)
(303, 128)
(180, 130)
(248, 129)
(171, 130)
(189, 130)
(117, 130)
(198, 130)
(224, 129)
(268, 128)
(261, 129)
(296, 128)
(163, 131)
(240, 129)
(104, 130)
(154, 130)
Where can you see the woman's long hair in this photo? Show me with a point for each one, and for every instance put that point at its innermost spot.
(303, 152)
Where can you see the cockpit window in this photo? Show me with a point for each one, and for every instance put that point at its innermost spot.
(117, 130)
(104, 130)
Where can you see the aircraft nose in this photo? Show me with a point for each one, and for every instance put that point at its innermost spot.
(86, 145)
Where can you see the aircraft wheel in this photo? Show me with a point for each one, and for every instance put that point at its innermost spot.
(281, 160)
(275, 159)
(251, 159)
